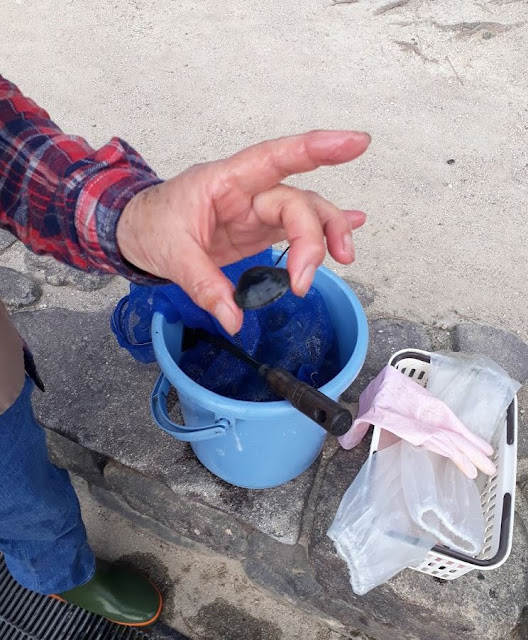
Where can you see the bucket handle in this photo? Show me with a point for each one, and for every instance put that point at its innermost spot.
(158, 407)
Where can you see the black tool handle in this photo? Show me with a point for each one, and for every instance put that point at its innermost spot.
(320, 408)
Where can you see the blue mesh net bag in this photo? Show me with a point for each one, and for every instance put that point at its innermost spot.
(293, 333)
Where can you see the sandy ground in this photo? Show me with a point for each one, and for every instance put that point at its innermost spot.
(433, 82)
(206, 596)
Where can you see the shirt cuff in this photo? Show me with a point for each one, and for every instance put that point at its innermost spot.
(106, 220)
(99, 202)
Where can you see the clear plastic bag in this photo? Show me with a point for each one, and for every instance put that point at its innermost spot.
(441, 500)
(373, 530)
(475, 388)
(406, 499)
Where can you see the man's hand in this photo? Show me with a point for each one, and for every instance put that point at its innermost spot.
(217, 213)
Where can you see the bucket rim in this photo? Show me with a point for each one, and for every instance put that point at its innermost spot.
(242, 408)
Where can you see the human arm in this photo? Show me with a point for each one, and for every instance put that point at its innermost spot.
(61, 197)
(106, 210)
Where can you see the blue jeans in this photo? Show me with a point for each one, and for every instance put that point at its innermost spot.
(42, 535)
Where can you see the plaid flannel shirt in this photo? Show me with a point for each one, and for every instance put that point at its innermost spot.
(61, 197)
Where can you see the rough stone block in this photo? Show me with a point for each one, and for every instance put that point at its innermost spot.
(75, 458)
(478, 606)
(6, 239)
(276, 512)
(98, 396)
(18, 290)
(365, 294)
(222, 619)
(191, 519)
(287, 572)
(505, 348)
(162, 632)
(47, 269)
(386, 337)
(119, 505)
(521, 630)
(284, 569)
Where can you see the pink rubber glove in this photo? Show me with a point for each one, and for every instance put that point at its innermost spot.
(394, 402)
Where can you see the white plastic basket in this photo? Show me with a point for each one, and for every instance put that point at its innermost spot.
(497, 498)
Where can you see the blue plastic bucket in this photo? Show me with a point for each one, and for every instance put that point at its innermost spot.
(256, 445)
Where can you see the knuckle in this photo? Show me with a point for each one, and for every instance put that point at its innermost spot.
(340, 222)
(287, 193)
(221, 184)
(301, 201)
(317, 251)
(321, 253)
(203, 293)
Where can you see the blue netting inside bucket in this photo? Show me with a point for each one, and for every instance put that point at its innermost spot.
(293, 333)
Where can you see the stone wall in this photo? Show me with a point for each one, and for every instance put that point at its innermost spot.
(96, 411)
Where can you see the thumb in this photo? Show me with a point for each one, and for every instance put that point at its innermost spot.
(207, 286)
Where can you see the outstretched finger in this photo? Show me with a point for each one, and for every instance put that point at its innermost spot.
(265, 165)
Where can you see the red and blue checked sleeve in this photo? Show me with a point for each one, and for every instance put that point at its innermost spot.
(61, 197)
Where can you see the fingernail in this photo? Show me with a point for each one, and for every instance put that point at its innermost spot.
(305, 280)
(324, 139)
(348, 245)
(329, 142)
(227, 317)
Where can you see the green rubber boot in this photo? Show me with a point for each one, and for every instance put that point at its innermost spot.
(118, 594)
